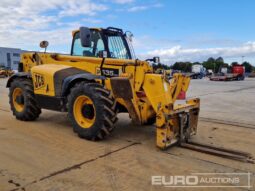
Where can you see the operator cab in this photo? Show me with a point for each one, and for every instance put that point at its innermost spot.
(110, 42)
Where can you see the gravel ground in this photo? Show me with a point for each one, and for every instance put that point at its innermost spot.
(47, 155)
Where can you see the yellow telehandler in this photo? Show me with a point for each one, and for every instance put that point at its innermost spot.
(99, 79)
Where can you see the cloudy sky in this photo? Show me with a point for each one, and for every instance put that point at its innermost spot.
(175, 30)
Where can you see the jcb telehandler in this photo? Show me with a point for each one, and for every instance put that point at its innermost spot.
(100, 78)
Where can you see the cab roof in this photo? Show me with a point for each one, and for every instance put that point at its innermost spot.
(99, 29)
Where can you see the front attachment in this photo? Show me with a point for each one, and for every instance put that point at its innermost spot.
(177, 125)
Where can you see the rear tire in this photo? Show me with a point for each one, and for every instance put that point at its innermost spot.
(22, 100)
(91, 110)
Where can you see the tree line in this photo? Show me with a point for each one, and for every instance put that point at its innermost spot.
(210, 64)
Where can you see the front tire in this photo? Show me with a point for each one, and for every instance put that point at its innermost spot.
(22, 100)
(91, 109)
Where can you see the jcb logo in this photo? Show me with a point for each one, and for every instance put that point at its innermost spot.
(39, 81)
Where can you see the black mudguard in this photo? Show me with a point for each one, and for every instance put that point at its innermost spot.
(18, 75)
(69, 81)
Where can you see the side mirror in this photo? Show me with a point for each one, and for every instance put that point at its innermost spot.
(85, 36)
(44, 44)
(102, 54)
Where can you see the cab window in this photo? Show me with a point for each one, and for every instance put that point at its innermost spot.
(117, 47)
(97, 45)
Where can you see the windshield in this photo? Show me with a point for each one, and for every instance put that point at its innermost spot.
(117, 47)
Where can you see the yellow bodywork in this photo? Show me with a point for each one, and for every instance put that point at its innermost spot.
(43, 78)
(151, 95)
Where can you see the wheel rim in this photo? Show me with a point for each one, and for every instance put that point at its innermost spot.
(84, 111)
(17, 97)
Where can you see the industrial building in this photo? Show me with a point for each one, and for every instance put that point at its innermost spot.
(10, 57)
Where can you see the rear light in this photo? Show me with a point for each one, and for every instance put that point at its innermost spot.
(182, 95)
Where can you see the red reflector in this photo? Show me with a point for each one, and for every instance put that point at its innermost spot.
(182, 95)
(140, 94)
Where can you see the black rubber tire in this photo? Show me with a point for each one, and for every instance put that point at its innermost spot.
(105, 108)
(31, 109)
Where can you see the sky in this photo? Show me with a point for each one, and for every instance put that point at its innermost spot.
(175, 30)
